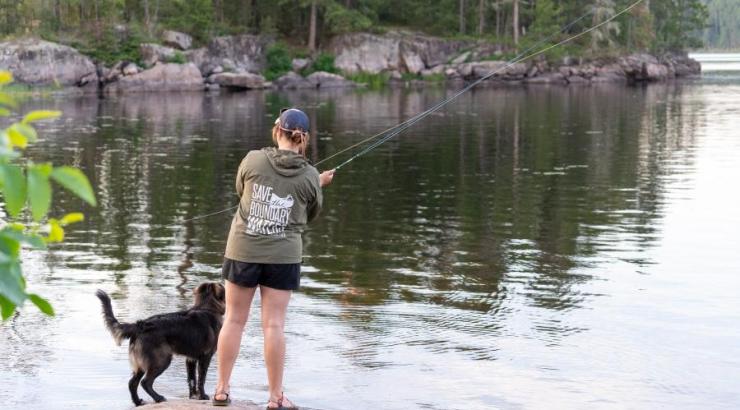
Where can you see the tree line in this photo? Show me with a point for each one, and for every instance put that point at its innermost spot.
(723, 26)
(653, 24)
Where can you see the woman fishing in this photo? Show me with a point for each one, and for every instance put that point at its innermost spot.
(280, 192)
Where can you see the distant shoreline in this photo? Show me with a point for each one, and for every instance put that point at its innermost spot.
(397, 59)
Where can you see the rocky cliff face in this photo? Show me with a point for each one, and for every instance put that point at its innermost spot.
(38, 62)
(243, 53)
(397, 53)
(162, 77)
(412, 53)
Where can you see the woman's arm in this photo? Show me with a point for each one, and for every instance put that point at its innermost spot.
(314, 206)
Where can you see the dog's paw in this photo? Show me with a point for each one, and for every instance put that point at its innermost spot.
(160, 399)
(139, 403)
(199, 396)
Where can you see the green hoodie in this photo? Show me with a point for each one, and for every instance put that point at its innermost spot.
(280, 193)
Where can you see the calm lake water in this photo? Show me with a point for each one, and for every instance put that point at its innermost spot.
(526, 248)
(717, 61)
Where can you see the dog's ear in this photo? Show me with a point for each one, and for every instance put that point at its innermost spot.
(205, 291)
(219, 291)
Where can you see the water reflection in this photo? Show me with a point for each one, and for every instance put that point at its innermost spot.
(476, 200)
(489, 222)
(512, 190)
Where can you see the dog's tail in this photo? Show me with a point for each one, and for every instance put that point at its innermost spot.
(119, 330)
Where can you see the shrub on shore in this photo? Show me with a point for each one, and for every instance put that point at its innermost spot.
(370, 80)
(27, 199)
(279, 61)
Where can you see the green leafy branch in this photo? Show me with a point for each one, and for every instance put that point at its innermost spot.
(27, 188)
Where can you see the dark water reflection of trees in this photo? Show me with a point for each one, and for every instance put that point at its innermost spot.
(514, 190)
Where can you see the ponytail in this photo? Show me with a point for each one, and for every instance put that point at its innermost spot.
(296, 137)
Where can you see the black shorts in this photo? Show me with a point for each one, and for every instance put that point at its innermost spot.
(283, 276)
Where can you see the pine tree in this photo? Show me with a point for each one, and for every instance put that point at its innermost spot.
(601, 11)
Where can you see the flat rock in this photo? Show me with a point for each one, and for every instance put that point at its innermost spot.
(203, 405)
(198, 405)
(502, 69)
(547, 78)
(38, 62)
(239, 81)
(161, 77)
(292, 81)
(322, 79)
(177, 39)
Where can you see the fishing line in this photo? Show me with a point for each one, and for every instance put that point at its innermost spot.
(407, 124)
(397, 129)
(443, 102)
(207, 215)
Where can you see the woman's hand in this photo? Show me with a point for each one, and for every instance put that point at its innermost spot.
(326, 177)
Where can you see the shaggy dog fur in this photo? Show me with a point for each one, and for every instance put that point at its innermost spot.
(192, 333)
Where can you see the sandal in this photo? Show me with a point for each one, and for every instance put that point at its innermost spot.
(279, 403)
(221, 402)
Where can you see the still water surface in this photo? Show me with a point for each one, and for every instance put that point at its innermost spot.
(527, 248)
(717, 61)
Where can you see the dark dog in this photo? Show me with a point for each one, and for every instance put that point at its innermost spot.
(192, 333)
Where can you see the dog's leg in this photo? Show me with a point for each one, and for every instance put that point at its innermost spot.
(155, 369)
(133, 386)
(192, 384)
(203, 364)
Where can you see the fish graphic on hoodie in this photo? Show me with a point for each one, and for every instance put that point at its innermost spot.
(279, 194)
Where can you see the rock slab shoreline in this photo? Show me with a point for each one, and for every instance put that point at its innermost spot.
(235, 63)
(203, 405)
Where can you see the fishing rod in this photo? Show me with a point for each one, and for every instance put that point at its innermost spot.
(399, 128)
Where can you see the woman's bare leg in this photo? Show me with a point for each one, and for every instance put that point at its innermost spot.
(274, 306)
(238, 302)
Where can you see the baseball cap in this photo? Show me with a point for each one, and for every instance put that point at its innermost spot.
(293, 119)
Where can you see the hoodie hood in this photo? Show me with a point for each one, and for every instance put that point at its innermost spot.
(286, 163)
